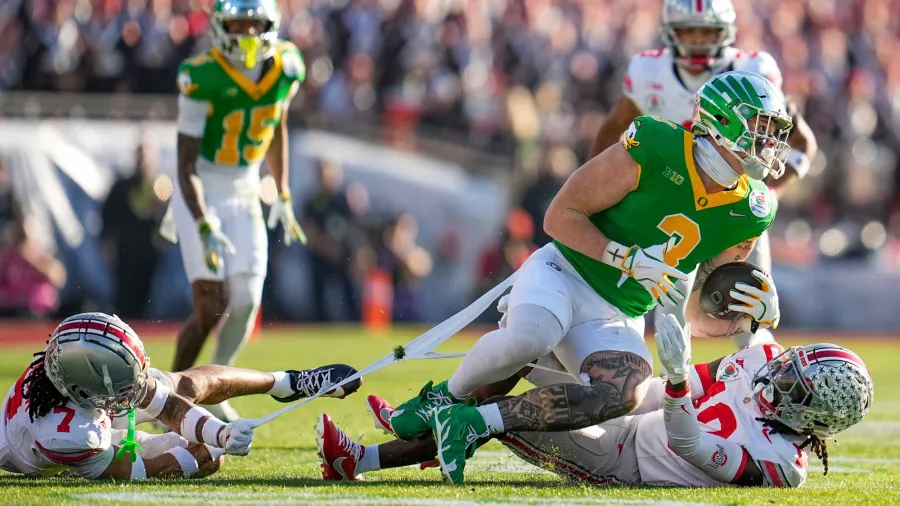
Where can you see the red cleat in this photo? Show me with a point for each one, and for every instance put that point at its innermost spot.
(339, 453)
(381, 412)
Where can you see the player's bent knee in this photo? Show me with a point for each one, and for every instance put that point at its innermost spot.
(620, 376)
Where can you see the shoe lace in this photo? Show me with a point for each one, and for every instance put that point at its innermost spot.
(439, 398)
(315, 381)
(352, 447)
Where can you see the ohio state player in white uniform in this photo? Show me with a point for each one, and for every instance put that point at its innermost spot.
(663, 82)
(749, 418)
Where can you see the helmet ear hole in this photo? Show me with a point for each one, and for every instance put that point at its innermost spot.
(723, 120)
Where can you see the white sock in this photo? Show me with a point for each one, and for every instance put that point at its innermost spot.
(492, 417)
(282, 386)
(244, 296)
(531, 332)
(370, 460)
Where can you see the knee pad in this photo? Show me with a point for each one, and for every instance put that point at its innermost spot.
(536, 330)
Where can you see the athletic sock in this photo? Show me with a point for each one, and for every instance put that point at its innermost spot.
(492, 417)
(369, 461)
(282, 386)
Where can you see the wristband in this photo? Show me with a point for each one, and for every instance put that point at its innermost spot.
(615, 255)
(186, 460)
(158, 402)
(799, 161)
(138, 470)
(211, 430)
(191, 420)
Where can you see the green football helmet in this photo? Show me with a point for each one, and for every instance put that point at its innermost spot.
(746, 114)
(248, 49)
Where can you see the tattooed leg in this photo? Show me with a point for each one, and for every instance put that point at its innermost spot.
(618, 383)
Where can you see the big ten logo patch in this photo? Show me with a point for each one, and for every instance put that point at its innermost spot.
(673, 176)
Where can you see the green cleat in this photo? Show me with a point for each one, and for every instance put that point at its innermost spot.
(410, 419)
(457, 430)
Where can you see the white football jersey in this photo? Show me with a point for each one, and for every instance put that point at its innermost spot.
(68, 438)
(652, 81)
(726, 410)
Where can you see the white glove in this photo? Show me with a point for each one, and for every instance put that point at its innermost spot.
(647, 267)
(283, 212)
(762, 305)
(237, 438)
(214, 243)
(673, 345)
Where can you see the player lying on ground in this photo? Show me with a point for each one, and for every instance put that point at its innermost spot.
(626, 225)
(232, 116)
(57, 415)
(749, 418)
(699, 37)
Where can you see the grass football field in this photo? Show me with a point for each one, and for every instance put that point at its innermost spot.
(283, 469)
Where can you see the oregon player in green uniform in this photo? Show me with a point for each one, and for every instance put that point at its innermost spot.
(231, 117)
(626, 225)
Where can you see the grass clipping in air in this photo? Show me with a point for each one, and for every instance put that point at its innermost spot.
(399, 352)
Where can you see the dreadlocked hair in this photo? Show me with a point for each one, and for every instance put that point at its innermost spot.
(40, 394)
(815, 443)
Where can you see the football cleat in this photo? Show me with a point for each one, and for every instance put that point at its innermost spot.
(457, 429)
(338, 452)
(410, 419)
(381, 412)
(309, 382)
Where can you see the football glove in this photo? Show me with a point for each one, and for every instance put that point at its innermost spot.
(283, 211)
(673, 345)
(214, 243)
(647, 267)
(237, 438)
(761, 304)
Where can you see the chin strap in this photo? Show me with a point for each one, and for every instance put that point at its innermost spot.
(713, 163)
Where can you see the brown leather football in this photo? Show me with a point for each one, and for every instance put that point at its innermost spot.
(715, 295)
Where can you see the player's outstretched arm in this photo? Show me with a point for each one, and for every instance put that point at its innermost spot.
(618, 120)
(194, 423)
(803, 149)
(597, 185)
(195, 461)
(704, 325)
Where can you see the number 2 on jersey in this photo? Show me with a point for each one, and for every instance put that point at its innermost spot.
(688, 233)
(263, 119)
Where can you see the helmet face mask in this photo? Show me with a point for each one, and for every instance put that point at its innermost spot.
(678, 15)
(744, 113)
(818, 390)
(98, 362)
(245, 31)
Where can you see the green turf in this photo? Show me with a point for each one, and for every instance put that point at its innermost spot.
(283, 468)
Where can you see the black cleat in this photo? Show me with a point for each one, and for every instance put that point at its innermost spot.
(309, 382)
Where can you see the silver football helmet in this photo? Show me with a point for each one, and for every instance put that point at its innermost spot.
(718, 14)
(247, 48)
(816, 390)
(97, 361)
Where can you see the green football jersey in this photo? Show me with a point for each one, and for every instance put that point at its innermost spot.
(242, 114)
(669, 201)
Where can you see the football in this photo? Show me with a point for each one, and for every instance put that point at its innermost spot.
(715, 295)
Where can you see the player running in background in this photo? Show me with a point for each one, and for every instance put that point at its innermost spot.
(231, 116)
(61, 413)
(698, 35)
(627, 224)
(749, 418)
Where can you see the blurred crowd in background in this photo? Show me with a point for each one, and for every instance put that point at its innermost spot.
(528, 79)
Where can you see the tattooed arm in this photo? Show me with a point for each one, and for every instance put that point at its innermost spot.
(703, 325)
(618, 383)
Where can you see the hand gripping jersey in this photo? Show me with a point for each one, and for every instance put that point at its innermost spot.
(68, 438)
(653, 84)
(726, 410)
(242, 114)
(670, 201)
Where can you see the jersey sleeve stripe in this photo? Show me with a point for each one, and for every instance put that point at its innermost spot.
(744, 457)
(67, 459)
(677, 394)
(705, 378)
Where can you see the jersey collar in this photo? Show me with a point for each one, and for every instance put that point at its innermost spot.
(255, 90)
(702, 199)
